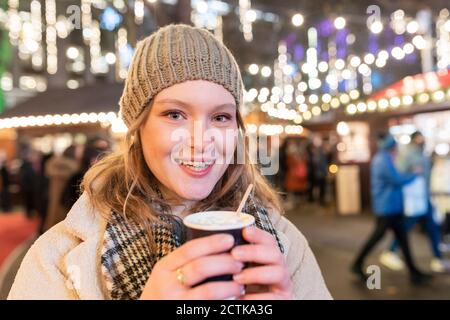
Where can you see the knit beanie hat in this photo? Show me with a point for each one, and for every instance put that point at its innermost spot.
(175, 54)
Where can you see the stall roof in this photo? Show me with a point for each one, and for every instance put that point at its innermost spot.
(96, 98)
(411, 85)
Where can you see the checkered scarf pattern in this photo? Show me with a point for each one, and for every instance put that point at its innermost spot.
(126, 258)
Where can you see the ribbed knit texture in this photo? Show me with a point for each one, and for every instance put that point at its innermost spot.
(175, 54)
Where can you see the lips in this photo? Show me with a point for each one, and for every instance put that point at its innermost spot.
(195, 168)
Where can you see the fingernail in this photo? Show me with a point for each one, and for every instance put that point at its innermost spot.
(239, 265)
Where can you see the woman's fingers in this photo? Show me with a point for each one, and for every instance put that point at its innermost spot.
(197, 248)
(265, 275)
(215, 290)
(261, 254)
(263, 296)
(205, 267)
(258, 236)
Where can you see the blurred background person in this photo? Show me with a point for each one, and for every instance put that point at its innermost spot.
(297, 172)
(94, 149)
(42, 189)
(387, 202)
(320, 160)
(28, 176)
(59, 169)
(282, 170)
(5, 196)
(440, 191)
(410, 159)
(311, 169)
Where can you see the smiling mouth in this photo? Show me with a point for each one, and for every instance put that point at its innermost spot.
(198, 166)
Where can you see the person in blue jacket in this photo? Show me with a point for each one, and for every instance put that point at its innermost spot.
(387, 205)
(412, 158)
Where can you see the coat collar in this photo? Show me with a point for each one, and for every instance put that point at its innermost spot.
(82, 263)
(82, 220)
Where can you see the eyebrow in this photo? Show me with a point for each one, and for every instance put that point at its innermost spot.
(185, 104)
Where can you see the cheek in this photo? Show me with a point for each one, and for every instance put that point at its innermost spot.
(156, 148)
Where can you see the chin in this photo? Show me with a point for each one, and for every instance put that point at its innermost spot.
(194, 195)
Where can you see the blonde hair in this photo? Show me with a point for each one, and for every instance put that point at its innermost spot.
(122, 182)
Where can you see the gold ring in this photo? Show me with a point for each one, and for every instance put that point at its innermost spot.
(180, 276)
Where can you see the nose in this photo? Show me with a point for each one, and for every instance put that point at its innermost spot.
(199, 142)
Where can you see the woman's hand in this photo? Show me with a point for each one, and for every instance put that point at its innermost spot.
(173, 276)
(271, 270)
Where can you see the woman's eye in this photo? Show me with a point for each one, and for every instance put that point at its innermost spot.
(222, 118)
(174, 115)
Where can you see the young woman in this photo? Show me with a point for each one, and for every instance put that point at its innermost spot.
(123, 238)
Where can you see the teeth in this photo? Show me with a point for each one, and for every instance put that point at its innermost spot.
(195, 164)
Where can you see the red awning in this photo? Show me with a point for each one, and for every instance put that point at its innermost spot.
(412, 85)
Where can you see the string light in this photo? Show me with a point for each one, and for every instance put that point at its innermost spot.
(351, 109)
(97, 65)
(355, 61)
(369, 58)
(322, 66)
(316, 111)
(124, 53)
(36, 21)
(335, 103)
(86, 20)
(298, 119)
(419, 42)
(371, 105)
(58, 119)
(253, 69)
(344, 98)
(362, 107)
(438, 96)
(297, 20)
(376, 27)
(383, 104)
(407, 100)
(443, 40)
(342, 128)
(423, 98)
(398, 53)
(307, 115)
(300, 99)
(14, 21)
(139, 11)
(326, 98)
(395, 102)
(246, 19)
(266, 71)
(339, 23)
(412, 27)
(51, 36)
(408, 48)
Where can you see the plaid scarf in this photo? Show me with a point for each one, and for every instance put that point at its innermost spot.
(127, 260)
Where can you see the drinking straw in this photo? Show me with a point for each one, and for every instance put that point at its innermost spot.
(244, 199)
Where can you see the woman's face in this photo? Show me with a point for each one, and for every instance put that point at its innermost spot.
(189, 137)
